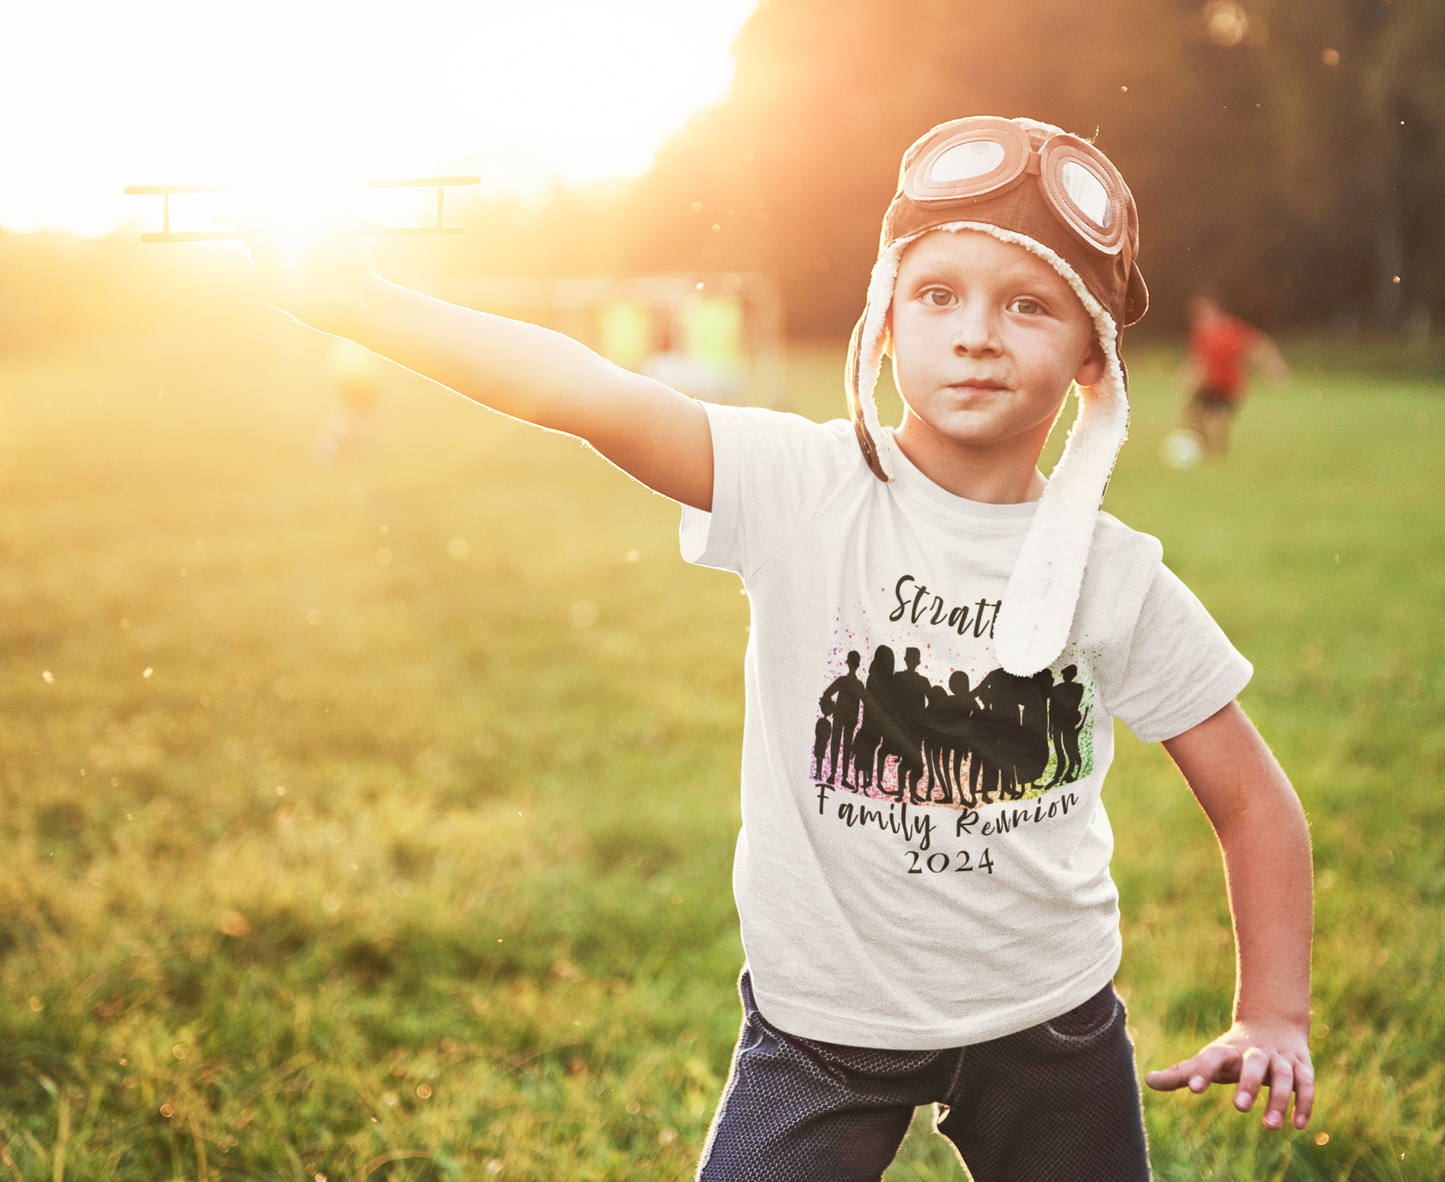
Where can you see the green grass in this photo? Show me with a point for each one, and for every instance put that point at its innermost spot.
(486, 929)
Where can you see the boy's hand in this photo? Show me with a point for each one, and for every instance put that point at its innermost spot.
(1275, 1055)
(314, 270)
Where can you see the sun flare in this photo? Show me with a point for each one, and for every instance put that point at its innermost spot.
(524, 95)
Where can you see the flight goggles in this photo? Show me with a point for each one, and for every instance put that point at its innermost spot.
(993, 170)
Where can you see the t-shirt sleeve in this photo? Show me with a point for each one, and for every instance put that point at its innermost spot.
(1181, 667)
(772, 472)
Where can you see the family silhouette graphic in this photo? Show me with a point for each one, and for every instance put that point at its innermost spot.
(957, 745)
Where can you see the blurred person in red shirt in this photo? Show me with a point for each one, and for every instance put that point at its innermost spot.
(1221, 350)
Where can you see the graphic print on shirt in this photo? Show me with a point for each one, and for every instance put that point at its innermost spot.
(892, 733)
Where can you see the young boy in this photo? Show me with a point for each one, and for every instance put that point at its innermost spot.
(925, 898)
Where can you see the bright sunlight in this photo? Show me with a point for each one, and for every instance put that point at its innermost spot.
(101, 95)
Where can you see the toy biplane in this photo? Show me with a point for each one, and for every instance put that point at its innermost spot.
(438, 230)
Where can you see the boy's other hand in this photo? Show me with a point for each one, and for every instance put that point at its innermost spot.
(313, 268)
(1275, 1055)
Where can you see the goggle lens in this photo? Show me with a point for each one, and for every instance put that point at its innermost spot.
(965, 161)
(1087, 191)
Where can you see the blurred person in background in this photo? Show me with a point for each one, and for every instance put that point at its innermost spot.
(350, 429)
(1222, 349)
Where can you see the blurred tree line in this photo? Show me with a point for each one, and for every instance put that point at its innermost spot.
(1287, 156)
(57, 286)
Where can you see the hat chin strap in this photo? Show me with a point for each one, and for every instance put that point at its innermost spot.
(1038, 605)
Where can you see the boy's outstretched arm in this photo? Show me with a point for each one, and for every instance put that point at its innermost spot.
(1265, 840)
(652, 432)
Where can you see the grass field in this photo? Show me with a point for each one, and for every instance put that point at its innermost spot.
(376, 820)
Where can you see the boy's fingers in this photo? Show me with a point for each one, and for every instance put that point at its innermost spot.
(1281, 1088)
(1304, 1097)
(1226, 1063)
(1253, 1069)
(1214, 1064)
(1168, 1078)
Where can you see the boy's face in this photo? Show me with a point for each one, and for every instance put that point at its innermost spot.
(986, 339)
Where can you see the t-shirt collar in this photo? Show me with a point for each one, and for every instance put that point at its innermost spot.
(945, 506)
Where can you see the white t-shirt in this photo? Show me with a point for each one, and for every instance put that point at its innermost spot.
(924, 861)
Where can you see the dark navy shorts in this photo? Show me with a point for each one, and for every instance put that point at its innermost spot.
(1058, 1102)
(1207, 398)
